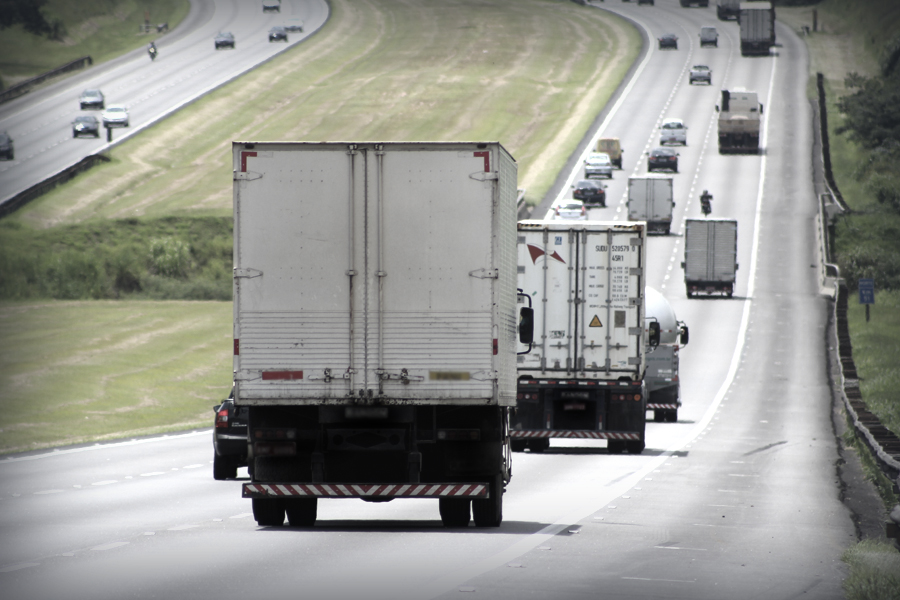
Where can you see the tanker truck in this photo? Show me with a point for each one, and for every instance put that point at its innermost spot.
(662, 378)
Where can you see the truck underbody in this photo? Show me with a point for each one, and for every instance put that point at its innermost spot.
(740, 142)
(757, 48)
(459, 454)
(665, 402)
(589, 409)
(709, 288)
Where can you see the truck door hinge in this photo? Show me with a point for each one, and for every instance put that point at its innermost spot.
(485, 273)
(489, 375)
(482, 176)
(248, 273)
(327, 375)
(246, 175)
(403, 376)
(247, 375)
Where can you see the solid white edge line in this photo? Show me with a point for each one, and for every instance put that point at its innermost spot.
(454, 579)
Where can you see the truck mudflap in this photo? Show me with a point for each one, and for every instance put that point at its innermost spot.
(568, 433)
(466, 491)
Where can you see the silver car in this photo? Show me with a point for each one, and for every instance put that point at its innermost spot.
(673, 131)
(598, 164)
(709, 37)
(115, 115)
(570, 210)
(700, 73)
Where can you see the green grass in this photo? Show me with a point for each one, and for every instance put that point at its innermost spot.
(77, 371)
(876, 348)
(874, 571)
(101, 29)
(532, 74)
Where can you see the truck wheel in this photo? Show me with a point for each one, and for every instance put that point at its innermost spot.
(268, 513)
(489, 512)
(634, 447)
(672, 416)
(615, 446)
(455, 511)
(301, 512)
(659, 415)
(518, 445)
(223, 468)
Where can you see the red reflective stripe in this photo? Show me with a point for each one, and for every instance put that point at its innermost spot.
(487, 160)
(244, 157)
(237, 347)
(282, 375)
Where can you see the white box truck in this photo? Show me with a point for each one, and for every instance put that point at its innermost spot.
(757, 22)
(710, 256)
(739, 121)
(375, 324)
(584, 376)
(662, 378)
(651, 199)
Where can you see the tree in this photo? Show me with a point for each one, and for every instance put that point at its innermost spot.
(873, 111)
(29, 15)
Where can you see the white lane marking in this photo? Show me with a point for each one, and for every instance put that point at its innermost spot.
(109, 546)
(149, 533)
(105, 482)
(57, 452)
(192, 466)
(153, 474)
(42, 492)
(16, 567)
(182, 527)
(664, 580)
(681, 548)
(241, 516)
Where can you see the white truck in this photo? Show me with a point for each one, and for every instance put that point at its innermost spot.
(651, 199)
(375, 324)
(663, 379)
(710, 256)
(584, 376)
(739, 121)
(757, 22)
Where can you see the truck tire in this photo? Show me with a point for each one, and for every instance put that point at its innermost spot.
(672, 416)
(615, 446)
(455, 512)
(659, 415)
(539, 445)
(224, 467)
(268, 513)
(518, 445)
(489, 512)
(301, 512)
(635, 446)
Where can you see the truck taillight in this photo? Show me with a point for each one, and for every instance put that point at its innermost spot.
(496, 347)
(222, 418)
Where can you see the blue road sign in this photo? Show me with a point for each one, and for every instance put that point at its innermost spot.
(867, 291)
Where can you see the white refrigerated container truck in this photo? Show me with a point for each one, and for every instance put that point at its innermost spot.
(651, 199)
(757, 23)
(584, 376)
(375, 324)
(710, 256)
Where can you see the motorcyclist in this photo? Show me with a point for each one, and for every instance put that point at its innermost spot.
(706, 202)
(152, 51)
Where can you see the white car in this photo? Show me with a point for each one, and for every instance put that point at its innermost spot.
(597, 164)
(115, 115)
(673, 131)
(570, 210)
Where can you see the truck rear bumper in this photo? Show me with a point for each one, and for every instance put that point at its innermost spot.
(365, 490)
(565, 433)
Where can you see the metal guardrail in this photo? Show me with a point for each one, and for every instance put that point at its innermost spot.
(51, 182)
(22, 88)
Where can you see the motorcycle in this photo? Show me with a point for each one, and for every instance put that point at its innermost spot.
(706, 203)
(152, 52)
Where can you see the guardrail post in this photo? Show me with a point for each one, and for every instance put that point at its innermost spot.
(108, 134)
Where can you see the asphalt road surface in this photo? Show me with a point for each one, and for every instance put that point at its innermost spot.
(738, 499)
(187, 66)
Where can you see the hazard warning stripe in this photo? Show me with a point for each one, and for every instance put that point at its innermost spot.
(660, 405)
(365, 490)
(596, 435)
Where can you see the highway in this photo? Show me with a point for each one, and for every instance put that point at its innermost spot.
(187, 67)
(738, 499)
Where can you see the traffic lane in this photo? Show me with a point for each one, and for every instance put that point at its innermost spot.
(184, 70)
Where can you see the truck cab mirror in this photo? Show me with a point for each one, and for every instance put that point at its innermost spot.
(717, 108)
(526, 325)
(653, 340)
(685, 335)
(760, 108)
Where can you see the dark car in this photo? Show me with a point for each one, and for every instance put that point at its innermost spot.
(278, 34)
(663, 158)
(650, 2)
(86, 125)
(225, 39)
(92, 99)
(668, 40)
(229, 439)
(271, 6)
(6, 146)
(590, 192)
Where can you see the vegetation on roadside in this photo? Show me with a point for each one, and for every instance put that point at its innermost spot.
(874, 571)
(37, 36)
(167, 258)
(72, 372)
